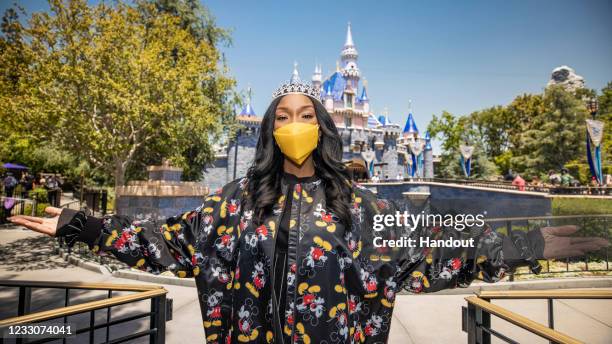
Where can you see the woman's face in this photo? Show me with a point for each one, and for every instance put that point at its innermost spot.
(294, 108)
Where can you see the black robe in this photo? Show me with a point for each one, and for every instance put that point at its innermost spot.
(340, 288)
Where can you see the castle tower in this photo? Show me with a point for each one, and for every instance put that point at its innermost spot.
(410, 129)
(363, 98)
(348, 57)
(241, 147)
(295, 76)
(428, 169)
(317, 78)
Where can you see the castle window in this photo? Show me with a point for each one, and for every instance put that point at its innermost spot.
(348, 122)
(349, 101)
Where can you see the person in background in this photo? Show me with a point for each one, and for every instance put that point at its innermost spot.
(519, 182)
(9, 183)
(52, 192)
(376, 178)
(554, 178)
(536, 181)
(400, 176)
(42, 182)
(27, 180)
(566, 177)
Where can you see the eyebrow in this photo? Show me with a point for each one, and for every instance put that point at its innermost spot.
(298, 110)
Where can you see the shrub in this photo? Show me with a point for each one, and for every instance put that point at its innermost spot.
(39, 194)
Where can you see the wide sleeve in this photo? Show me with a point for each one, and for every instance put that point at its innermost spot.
(178, 244)
(423, 258)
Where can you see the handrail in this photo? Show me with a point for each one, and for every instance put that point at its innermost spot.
(80, 308)
(548, 217)
(80, 285)
(522, 321)
(603, 293)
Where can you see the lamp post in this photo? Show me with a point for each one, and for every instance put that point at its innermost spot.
(236, 152)
(592, 105)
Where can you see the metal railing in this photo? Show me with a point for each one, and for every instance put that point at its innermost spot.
(504, 185)
(160, 310)
(10, 206)
(476, 317)
(589, 225)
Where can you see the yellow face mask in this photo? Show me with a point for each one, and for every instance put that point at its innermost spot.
(297, 140)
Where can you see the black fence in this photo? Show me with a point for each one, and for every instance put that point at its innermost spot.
(588, 225)
(160, 311)
(503, 185)
(476, 317)
(10, 206)
(96, 199)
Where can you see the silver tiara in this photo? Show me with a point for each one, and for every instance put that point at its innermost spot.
(297, 87)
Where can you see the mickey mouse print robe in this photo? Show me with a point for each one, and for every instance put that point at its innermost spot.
(340, 288)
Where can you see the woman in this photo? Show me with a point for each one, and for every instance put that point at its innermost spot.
(286, 254)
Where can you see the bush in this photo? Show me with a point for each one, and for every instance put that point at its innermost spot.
(581, 206)
(39, 194)
(40, 209)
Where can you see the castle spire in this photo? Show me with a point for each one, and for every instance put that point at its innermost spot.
(295, 77)
(349, 37)
(247, 109)
(317, 77)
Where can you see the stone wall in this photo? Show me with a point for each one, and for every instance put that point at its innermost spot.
(156, 208)
(447, 198)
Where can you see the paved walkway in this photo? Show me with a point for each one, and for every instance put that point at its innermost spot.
(418, 319)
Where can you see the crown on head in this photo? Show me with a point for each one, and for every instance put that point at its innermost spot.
(296, 87)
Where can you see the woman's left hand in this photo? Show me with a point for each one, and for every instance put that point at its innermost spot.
(559, 244)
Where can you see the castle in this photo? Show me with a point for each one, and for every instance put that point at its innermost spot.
(373, 145)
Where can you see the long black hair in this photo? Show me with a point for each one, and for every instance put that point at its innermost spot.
(264, 176)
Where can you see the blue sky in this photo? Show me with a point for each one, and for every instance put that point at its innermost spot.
(458, 56)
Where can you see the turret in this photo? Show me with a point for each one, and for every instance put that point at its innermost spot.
(410, 129)
(349, 60)
(295, 76)
(363, 98)
(329, 98)
(316, 77)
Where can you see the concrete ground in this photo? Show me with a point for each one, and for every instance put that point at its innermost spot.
(433, 318)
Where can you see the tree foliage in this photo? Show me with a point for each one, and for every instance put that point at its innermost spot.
(533, 134)
(455, 131)
(118, 86)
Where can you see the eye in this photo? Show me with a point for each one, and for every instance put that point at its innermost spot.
(308, 115)
(281, 117)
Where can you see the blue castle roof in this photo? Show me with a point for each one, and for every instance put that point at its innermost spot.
(372, 121)
(336, 84)
(427, 141)
(247, 110)
(410, 127)
(364, 95)
(384, 120)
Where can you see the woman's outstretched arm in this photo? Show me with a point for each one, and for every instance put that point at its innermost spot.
(427, 264)
(173, 244)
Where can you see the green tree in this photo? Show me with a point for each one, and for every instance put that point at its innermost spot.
(118, 85)
(554, 137)
(605, 114)
(454, 131)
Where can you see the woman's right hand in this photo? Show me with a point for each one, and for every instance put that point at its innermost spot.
(44, 225)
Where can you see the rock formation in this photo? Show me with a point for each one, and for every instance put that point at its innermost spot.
(566, 77)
